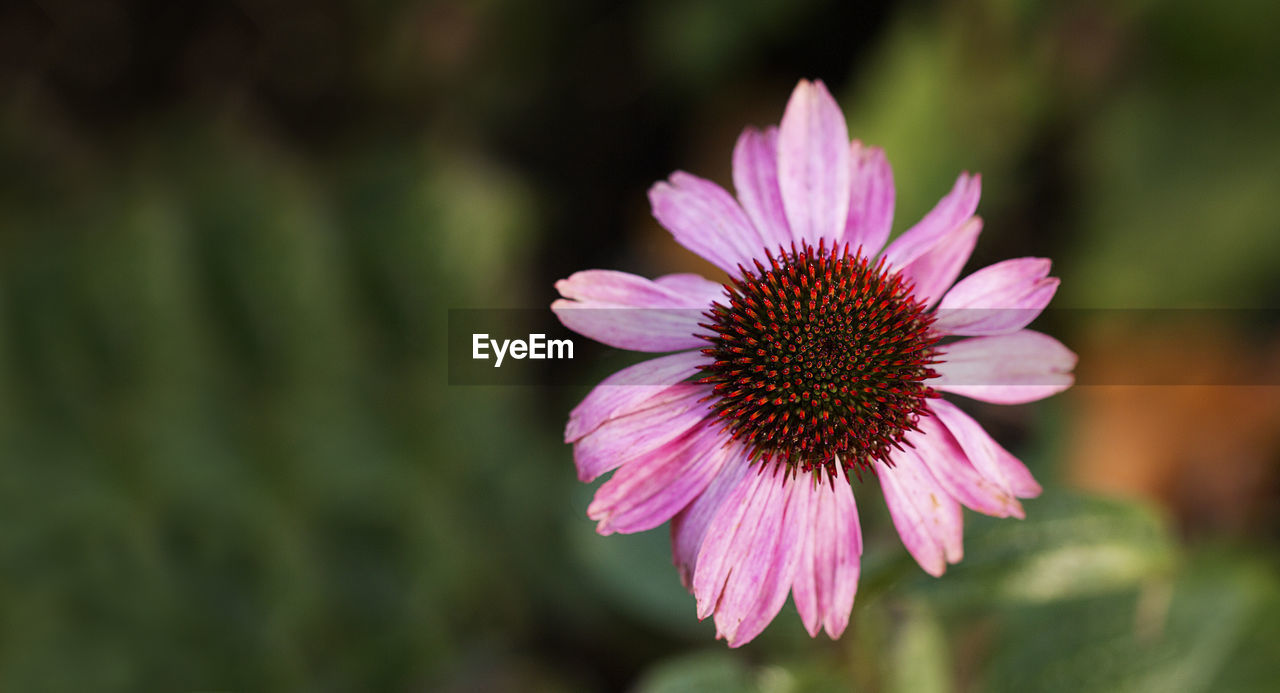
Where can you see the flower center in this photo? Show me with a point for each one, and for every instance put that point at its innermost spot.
(820, 359)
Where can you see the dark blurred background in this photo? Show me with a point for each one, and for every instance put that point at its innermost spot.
(230, 234)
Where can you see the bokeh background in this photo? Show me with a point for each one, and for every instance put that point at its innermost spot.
(230, 233)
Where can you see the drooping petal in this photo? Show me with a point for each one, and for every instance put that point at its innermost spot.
(705, 219)
(716, 559)
(689, 526)
(988, 457)
(755, 178)
(697, 289)
(648, 491)
(814, 164)
(827, 579)
(927, 519)
(629, 312)
(632, 389)
(997, 299)
(952, 469)
(629, 437)
(750, 603)
(1015, 368)
(870, 201)
(751, 552)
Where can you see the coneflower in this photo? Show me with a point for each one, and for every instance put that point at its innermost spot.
(821, 359)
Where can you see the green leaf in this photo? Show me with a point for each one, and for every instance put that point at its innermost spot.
(704, 672)
(635, 573)
(1069, 546)
(921, 658)
(1200, 632)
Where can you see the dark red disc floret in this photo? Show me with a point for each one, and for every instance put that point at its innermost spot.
(820, 358)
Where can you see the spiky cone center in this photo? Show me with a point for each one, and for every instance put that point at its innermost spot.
(820, 359)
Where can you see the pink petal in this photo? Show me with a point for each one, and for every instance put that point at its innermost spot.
(827, 580)
(755, 178)
(814, 164)
(927, 518)
(648, 491)
(746, 609)
(707, 220)
(689, 526)
(997, 299)
(951, 468)
(697, 289)
(749, 558)
(1015, 368)
(932, 253)
(991, 460)
(629, 312)
(871, 200)
(951, 211)
(629, 437)
(613, 289)
(634, 329)
(632, 389)
(933, 272)
(715, 559)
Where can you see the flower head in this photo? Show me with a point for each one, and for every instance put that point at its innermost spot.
(822, 358)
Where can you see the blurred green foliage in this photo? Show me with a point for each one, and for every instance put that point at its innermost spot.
(231, 458)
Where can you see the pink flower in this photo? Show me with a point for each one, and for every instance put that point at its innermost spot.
(821, 359)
